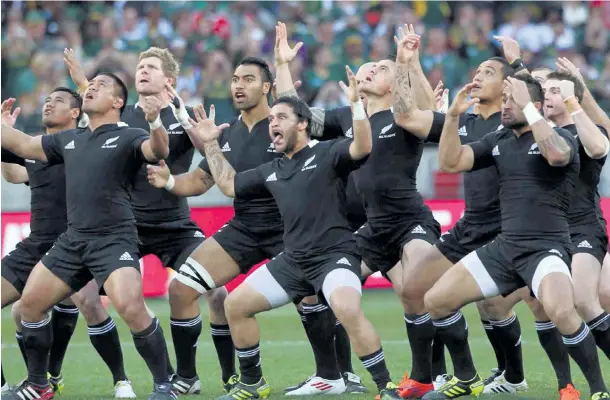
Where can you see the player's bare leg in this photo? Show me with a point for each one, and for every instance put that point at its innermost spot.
(553, 286)
(506, 331)
(42, 290)
(208, 267)
(423, 265)
(124, 288)
(552, 343)
(9, 296)
(586, 273)
(604, 284)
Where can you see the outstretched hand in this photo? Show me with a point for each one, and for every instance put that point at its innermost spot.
(205, 128)
(9, 117)
(283, 52)
(461, 103)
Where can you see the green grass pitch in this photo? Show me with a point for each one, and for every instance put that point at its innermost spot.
(286, 354)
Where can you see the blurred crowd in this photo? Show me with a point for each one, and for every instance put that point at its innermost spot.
(210, 37)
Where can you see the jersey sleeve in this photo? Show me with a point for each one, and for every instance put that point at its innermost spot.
(250, 184)
(483, 150)
(53, 147)
(343, 162)
(434, 136)
(11, 158)
(570, 139)
(138, 136)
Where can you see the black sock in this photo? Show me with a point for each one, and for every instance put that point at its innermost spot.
(250, 364)
(552, 343)
(343, 349)
(150, 343)
(508, 333)
(105, 340)
(495, 344)
(582, 349)
(19, 337)
(375, 364)
(63, 320)
(3, 380)
(421, 335)
(221, 335)
(38, 339)
(439, 366)
(453, 331)
(600, 328)
(320, 328)
(185, 334)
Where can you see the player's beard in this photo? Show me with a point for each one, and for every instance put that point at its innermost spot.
(291, 142)
(515, 124)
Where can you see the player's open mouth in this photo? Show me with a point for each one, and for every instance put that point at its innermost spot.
(144, 80)
(369, 79)
(239, 96)
(89, 96)
(47, 112)
(277, 137)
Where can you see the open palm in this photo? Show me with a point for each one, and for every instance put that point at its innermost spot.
(205, 128)
(9, 117)
(283, 52)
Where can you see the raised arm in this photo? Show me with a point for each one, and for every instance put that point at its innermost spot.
(406, 113)
(192, 183)
(23, 145)
(283, 55)
(552, 146)
(512, 53)
(588, 103)
(14, 173)
(425, 99)
(454, 157)
(594, 142)
(157, 147)
(77, 73)
(362, 144)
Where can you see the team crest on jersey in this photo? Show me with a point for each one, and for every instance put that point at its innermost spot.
(175, 129)
(384, 132)
(349, 133)
(534, 149)
(306, 165)
(271, 148)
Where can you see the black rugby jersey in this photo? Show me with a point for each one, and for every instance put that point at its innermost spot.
(246, 150)
(585, 208)
(47, 183)
(100, 169)
(310, 195)
(534, 196)
(338, 123)
(153, 206)
(387, 180)
(480, 187)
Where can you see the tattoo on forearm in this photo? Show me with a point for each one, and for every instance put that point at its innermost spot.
(207, 180)
(289, 93)
(317, 121)
(556, 146)
(222, 171)
(402, 95)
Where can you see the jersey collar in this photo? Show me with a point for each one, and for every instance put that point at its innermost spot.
(109, 127)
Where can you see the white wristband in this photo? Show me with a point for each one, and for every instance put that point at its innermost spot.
(358, 111)
(170, 183)
(576, 112)
(156, 124)
(183, 117)
(531, 113)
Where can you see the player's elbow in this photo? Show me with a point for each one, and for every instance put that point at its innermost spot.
(558, 159)
(227, 188)
(598, 150)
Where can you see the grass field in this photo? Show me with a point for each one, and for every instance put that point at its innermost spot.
(286, 354)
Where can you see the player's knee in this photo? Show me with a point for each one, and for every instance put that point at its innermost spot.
(216, 300)
(346, 311)
(30, 309)
(130, 306)
(236, 307)
(180, 294)
(433, 301)
(496, 309)
(16, 314)
(90, 305)
(560, 310)
(604, 296)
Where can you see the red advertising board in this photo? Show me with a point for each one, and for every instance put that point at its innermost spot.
(15, 227)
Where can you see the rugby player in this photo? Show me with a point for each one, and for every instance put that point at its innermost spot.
(61, 111)
(537, 168)
(101, 241)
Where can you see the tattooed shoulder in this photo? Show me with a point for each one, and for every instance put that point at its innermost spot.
(317, 121)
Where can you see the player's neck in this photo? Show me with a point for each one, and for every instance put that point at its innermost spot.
(488, 109)
(254, 115)
(97, 120)
(378, 104)
(562, 120)
(161, 96)
(56, 129)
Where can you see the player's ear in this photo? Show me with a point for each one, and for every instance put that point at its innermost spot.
(75, 112)
(266, 87)
(118, 103)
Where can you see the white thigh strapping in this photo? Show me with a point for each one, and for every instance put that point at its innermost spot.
(475, 266)
(548, 265)
(263, 282)
(340, 277)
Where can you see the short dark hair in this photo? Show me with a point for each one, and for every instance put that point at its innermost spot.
(533, 87)
(300, 108)
(579, 88)
(262, 64)
(76, 101)
(122, 87)
(507, 70)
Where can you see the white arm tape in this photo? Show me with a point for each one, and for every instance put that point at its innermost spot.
(531, 113)
(358, 111)
(170, 183)
(182, 116)
(156, 124)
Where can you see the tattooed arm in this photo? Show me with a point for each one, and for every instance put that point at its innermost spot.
(192, 183)
(554, 145)
(222, 171)
(406, 113)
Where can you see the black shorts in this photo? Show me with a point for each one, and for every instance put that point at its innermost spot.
(381, 244)
(300, 280)
(505, 265)
(589, 239)
(171, 244)
(19, 263)
(249, 244)
(77, 259)
(465, 238)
